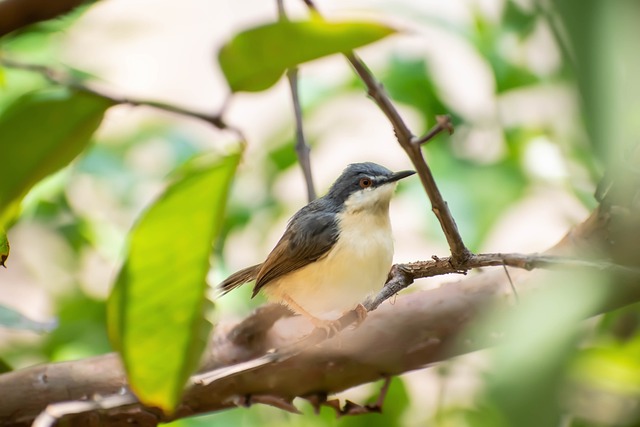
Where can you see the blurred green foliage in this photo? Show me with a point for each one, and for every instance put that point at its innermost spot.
(42, 132)
(553, 372)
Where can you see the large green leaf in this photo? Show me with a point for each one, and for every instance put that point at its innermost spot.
(156, 310)
(40, 133)
(255, 59)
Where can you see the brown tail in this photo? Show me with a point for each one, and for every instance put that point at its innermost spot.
(239, 278)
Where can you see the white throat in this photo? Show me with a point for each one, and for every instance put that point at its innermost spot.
(376, 200)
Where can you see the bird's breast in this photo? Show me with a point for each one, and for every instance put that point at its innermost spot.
(355, 267)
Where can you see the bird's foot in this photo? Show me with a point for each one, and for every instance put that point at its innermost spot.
(330, 327)
(361, 313)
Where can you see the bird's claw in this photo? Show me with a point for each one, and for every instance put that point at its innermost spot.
(361, 313)
(330, 327)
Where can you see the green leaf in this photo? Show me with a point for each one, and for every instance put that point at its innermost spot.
(4, 367)
(519, 20)
(156, 310)
(255, 59)
(40, 133)
(10, 318)
(527, 379)
(4, 247)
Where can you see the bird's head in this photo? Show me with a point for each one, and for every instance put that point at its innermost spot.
(365, 186)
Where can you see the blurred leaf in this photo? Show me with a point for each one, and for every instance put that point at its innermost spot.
(41, 133)
(408, 81)
(471, 189)
(599, 41)
(602, 374)
(284, 156)
(10, 318)
(3, 79)
(4, 247)
(156, 310)
(510, 76)
(48, 28)
(614, 368)
(488, 39)
(255, 59)
(517, 19)
(81, 330)
(479, 416)
(5, 367)
(529, 370)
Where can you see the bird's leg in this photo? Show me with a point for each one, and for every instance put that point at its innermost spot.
(329, 326)
(361, 312)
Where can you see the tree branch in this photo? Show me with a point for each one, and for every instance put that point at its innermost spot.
(411, 145)
(302, 148)
(459, 252)
(61, 79)
(417, 330)
(15, 14)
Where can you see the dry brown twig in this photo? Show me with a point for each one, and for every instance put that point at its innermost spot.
(302, 148)
(61, 79)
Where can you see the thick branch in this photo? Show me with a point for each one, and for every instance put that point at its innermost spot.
(407, 335)
(418, 329)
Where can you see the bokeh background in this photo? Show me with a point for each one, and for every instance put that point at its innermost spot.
(520, 169)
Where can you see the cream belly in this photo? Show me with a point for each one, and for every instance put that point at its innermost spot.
(356, 267)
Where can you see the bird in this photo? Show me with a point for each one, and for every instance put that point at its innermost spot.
(335, 252)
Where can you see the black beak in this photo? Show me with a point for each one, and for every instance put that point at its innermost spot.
(396, 176)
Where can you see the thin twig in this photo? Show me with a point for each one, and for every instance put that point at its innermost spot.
(302, 148)
(513, 287)
(61, 79)
(400, 277)
(444, 123)
(459, 251)
(282, 14)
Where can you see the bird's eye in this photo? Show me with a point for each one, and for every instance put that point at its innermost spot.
(365, 183)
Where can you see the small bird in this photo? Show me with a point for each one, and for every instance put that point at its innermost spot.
(335, 252)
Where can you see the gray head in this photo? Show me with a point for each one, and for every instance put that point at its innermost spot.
(365, 185)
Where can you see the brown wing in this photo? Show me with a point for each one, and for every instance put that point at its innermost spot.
(309, 236)
(239, 278)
